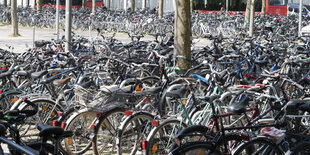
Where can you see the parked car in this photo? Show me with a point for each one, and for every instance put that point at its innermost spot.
(293, 9)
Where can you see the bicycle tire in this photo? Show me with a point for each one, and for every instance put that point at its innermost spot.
(135, 124)
(252, 147)
(153, 142)
(47, 110)
(205, 148)
(99, 128)
(81, 132)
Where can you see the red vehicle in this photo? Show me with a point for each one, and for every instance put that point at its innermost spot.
(75, 3)
(276, 7)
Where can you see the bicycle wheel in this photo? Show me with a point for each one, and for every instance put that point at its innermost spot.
(80, 123)
(47, 112)
(205, 148)
(104, 140)
(259, 145)
(7, 99)
(132, 131)
(161, 138)
(229, 142)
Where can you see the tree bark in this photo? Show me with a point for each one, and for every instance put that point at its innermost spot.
(247, 11)
(93, 7)
(161, 9)
(39, 5)
(83, 4)
(182, 41)
(191, 5)
(27, 3)
(14, 19)
(252, 13)
(5, 3)
(133, 5)
(263, 7)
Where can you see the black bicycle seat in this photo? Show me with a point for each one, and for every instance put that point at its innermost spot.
(177, 93)
(151, 91)
(6, 74)
(39, 74)
(239, 107)
(23, 73)
(305, 107)
(46, 130)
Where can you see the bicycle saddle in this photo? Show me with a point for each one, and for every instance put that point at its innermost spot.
(62, 81)
(7, 73)
(24, 73)
(41, 43)
(46, 130)
(305, 107)
(39, 74)
(151, 91)
(239, 107)
(177, 93)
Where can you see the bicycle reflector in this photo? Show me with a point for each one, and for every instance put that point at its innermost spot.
(154, 148)
(144, 144)
(93, 126)
(14, 99)
(63, 125)
(44, 107)
(128, 113)
(69, 140)
(155, 123)
(0, 91)
(54, 122)
(98, 114)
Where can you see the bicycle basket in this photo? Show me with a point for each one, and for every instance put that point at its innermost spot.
(87, 97)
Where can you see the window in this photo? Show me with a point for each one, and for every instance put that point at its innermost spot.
(277, 2)
(290, 9)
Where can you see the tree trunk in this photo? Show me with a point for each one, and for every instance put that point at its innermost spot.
(83, 4)
(39, 5)
(133, 5)
(161, 9)
(22, 4)
(263, 7)
(27, 3)
(14, 19)
(252, 13)
(191, 5)
(247, 11)
(5, 3)
(93, 7)
(182, 41)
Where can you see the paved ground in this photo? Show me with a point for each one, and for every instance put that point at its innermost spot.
(20, 43)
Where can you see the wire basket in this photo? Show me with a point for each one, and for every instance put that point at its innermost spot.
(87, 97)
